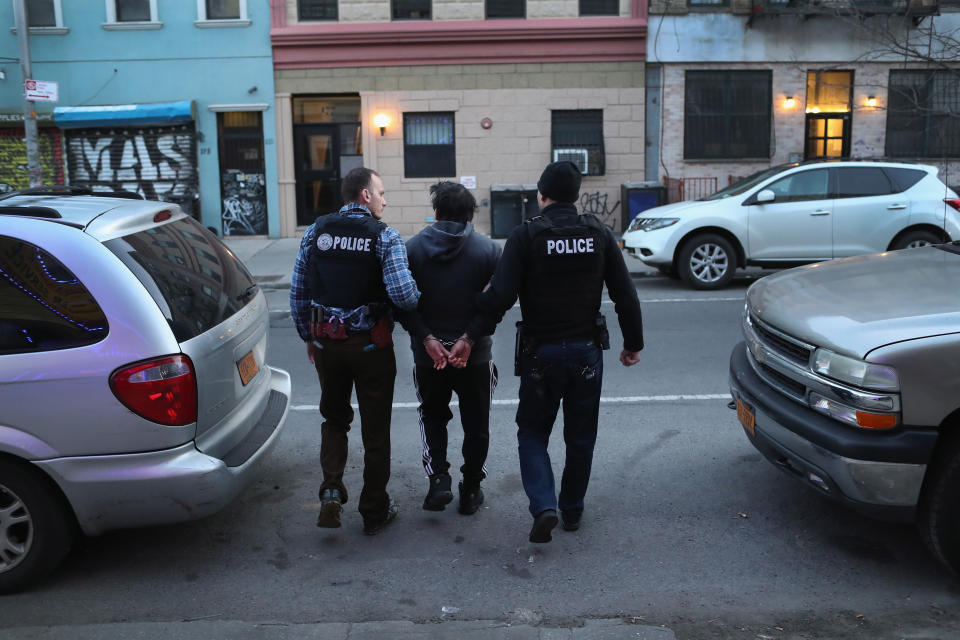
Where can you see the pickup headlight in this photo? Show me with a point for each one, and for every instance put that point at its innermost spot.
(856, 372)
(650, 224)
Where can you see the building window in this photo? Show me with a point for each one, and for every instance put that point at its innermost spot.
(222, 9)
(708, 4)
(429, 149)
(410, 9)
(317, 10)
(506, 8)
(44, 13)
(577, 136)
(599, 7)
(132, 14)
(727, 115)
(922, 114)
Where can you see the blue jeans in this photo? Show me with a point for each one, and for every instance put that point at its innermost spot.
(571, 372)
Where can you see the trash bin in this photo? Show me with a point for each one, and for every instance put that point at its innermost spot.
(510, 205)
(640, 196)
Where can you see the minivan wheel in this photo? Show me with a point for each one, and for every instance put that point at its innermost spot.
(707, 261)
(36, 531)
(913, 239)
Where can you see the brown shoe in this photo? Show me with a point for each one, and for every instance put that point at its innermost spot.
(331, 504)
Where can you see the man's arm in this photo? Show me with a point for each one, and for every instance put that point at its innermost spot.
(625, 300)
(401, 287)
(504, 287)
(300, 288)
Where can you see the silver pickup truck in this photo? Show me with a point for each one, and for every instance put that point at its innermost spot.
(849, 380)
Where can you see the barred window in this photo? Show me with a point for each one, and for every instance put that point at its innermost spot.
(506, 8)
(727, 115)
(599, 7)
(577, 136)
(317, 10)
(429, 149)
(410, 9)
(923, 114)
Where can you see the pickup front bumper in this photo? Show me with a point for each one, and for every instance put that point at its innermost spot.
(876, 473)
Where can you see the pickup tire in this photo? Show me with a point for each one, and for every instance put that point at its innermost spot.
(939, 518)
(707, 261)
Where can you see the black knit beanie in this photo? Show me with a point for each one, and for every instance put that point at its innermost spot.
(560, 181)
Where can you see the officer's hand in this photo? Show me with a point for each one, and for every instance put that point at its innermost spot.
(311, 351)
(629, 358)
(460, 353)
(437, 352)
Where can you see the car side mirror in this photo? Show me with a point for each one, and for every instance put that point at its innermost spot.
(766, 196)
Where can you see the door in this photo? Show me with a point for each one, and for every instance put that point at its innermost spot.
(828, 135)
(797, 224)
(317, 166)
(867, 213)
(243, 193)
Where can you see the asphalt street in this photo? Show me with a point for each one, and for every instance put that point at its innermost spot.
(688, 532)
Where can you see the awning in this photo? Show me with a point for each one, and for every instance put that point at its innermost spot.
(125, 114)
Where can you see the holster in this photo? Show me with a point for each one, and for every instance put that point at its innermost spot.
(381, 335)
(523, 345)
(602, 336)
(321, 327)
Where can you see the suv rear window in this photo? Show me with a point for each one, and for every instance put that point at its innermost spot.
(857, 182)
(903, 179)
(43, 306)
(195, 280)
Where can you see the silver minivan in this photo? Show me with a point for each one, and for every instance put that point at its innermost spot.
(134, 384)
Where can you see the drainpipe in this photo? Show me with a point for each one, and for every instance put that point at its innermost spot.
(29, 112)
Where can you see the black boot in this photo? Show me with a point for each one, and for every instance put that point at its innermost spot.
(439, 495)
(471, 497)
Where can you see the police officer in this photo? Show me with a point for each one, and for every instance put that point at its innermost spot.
(557, 263)
(349, 269)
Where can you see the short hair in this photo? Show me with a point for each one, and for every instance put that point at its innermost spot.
(452, 201)
(354, 182)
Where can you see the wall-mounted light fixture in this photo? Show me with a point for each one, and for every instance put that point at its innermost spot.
(381, 120)
(789, 102)
(871, 101)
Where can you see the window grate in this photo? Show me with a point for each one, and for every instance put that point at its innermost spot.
(727, 115)
(577, 136)
(317, 10)
(429, 145)
(923, 114)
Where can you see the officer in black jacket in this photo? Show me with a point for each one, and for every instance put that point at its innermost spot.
(557, 263)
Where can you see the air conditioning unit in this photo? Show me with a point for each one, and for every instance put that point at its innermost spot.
(576, 156)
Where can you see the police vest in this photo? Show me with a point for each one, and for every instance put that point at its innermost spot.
(563, 279)
(344, 269)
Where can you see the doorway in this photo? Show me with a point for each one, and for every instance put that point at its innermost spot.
(243, 192)
(316, 154)
(829, 108)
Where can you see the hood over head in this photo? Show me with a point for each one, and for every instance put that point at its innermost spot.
(445, 239)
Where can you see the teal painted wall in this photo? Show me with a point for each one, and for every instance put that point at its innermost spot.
(178, 61)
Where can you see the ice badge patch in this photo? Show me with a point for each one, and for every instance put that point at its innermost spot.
(324, 241)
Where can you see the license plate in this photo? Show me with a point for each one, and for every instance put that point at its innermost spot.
(247, 366)
(746, 417)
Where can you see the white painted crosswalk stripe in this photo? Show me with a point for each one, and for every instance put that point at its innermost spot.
(683, 397)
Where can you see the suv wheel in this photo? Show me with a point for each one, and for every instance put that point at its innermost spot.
(36, 531)
(707, 261)
(913, 239)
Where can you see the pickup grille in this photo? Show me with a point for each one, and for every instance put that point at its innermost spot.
(782, 345)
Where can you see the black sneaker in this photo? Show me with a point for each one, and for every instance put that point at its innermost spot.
(373, 527)
(331, 504)
(569, 520)
(470, 499)
(543, 524)
(439, 495)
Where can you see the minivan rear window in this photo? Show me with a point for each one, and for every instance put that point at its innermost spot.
(192, 276)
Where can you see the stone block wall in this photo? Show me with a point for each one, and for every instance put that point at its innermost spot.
(517, 98)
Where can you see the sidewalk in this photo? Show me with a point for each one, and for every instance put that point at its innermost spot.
(270, 260)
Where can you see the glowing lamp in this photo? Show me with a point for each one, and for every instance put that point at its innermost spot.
(382, 121)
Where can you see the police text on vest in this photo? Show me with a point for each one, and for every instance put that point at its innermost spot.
(351, 244)
(570, 245)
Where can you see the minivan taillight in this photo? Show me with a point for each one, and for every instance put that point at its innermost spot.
(953, 202)
(163, 390)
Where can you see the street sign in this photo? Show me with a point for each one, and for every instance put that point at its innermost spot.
(41, 91)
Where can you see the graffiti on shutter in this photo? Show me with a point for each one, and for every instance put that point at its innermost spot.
(13, 158)
(159, 163)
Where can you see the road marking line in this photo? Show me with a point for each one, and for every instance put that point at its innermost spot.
(515, 401)
(642, 301)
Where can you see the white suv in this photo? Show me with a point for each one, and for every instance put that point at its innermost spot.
(796, 214)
